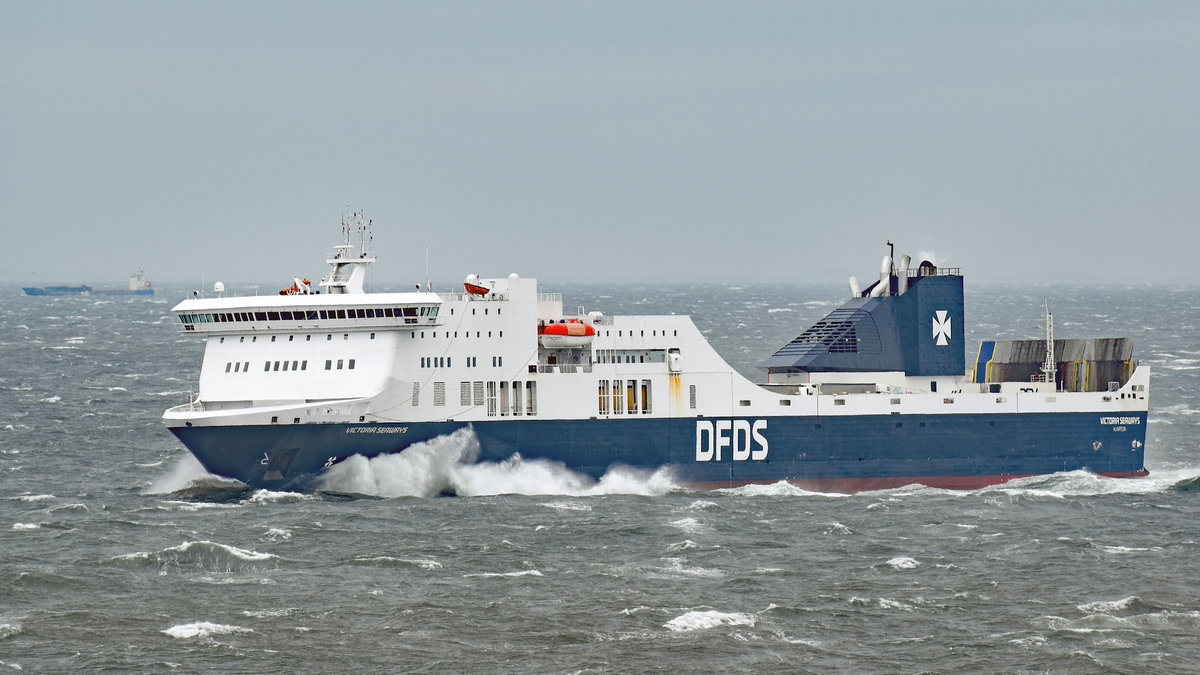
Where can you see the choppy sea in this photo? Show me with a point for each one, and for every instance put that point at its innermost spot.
(117, 552)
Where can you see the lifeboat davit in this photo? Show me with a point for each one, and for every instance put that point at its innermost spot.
(570, 334)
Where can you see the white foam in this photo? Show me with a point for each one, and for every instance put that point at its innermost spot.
(676, 566)
(424, 564)
(702, 620)
(689, 525)
(183, 473)
(50, 399)
(903, 563)
(568, 506)
(203, 629)
(269, 497)
(1083, 484)
(525, 573)
(836, 528)
(35, 498)
(446, 463)
(200, 549)
(682, 545)
(1108, 606)
(278, 534)
(26, 526)
(780, 489)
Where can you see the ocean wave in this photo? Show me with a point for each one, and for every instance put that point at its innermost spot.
(524, 573)
(446, 465)
(677, 567)
(689, 525)
(779, 489)
(203, 629)
(1132, 604)
(567, 506)
(387, 560)
(205, 555)
(903, 563)
(705, 619)
(270, 497)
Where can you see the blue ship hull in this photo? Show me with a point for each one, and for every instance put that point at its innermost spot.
(824, 453)
(82, 290)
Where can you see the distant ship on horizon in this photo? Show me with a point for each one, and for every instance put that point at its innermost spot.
(138, 285)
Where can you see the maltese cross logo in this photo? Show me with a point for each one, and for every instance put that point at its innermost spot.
(941, 327)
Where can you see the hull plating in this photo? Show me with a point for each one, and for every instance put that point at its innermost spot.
(824, 453)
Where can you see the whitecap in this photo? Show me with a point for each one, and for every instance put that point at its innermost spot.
(1109, 606)
(525, 573)
(567, 506)
(50, 399)
(35, 498)
(690, 525)
(203, 629)
(26, 526)
(677, 566)
(269, 497)
(903, 563)
(779, 489)
(702, 620)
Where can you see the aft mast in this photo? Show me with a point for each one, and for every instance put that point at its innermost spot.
(1049, 367)
(349, 269)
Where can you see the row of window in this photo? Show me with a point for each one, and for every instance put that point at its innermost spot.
(291, 338)
(466, 334)
(274, 366)
(447, 361)
(313, 315)
(625, 398)
(501, 398)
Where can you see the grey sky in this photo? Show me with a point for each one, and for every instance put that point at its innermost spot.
(739, 141)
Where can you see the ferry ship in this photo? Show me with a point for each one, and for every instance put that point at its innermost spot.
(875, 395)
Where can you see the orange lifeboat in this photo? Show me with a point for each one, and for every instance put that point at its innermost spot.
(566, 334)
(472, 285)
